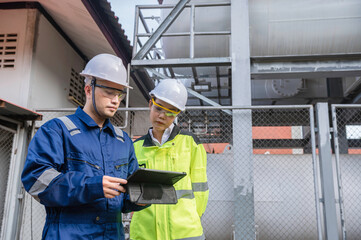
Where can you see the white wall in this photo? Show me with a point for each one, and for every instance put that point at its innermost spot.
(51, 68)
(43, 62)
(14, 82)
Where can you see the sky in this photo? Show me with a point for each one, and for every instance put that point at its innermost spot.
(125, 11)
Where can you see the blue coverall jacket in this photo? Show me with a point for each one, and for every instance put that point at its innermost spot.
(65, 165)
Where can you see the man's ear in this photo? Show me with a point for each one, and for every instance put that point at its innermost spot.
(150, 103)
(88, 90)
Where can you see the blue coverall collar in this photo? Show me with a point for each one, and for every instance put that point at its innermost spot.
(87, 120)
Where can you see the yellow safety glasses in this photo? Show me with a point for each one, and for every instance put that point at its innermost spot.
(167, 112)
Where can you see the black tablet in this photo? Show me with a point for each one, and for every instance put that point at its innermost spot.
(146, 175)
(150, 186)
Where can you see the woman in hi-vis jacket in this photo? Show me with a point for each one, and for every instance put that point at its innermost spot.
(166, 147)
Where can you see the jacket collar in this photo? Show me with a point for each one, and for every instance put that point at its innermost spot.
(87, 120)
(148, 142)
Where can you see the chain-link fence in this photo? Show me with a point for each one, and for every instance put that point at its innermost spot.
(6, 144)
(284, 174)
(34, 214)
(283, 170)
(347, 146)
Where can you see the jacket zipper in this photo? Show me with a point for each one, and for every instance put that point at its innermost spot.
(118, 166)
(96, 166)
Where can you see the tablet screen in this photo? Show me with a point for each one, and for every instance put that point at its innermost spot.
(145, 175)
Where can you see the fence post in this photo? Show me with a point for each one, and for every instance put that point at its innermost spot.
(326, 170)
(244, 224)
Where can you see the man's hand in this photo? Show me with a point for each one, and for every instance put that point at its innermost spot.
(112, 187)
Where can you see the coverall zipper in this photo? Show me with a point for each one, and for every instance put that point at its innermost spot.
(118, 166)
(96, 166)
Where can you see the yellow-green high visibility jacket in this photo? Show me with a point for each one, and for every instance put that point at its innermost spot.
(182, 153)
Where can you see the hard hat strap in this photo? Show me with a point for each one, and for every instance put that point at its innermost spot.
(92, 84)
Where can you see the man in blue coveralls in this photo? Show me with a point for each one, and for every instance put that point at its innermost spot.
(76, 164)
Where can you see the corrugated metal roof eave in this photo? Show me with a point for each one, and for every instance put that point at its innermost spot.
(16, 112)
(101, 12)
(106, 20)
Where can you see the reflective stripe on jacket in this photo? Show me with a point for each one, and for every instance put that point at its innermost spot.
(64, 169)
(182, 153)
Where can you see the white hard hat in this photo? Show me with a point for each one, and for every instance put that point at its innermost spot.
(107, 67)
(171, 91)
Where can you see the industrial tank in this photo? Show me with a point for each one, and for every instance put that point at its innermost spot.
(280, 27)
(277, 28)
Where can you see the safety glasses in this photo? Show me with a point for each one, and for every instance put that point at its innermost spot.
(110, 92)
(167, 112)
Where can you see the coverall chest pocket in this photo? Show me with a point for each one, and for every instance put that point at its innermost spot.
(180, 161)
(121, 168)
(79, 163)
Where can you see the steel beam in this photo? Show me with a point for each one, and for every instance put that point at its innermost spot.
(219, 85)
(161, 29)
(326, 169)
(311, 68)
(244, 223)
(194, 93)
(182, 62)
(207, 100)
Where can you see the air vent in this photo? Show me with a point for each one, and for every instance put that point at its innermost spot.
(76, 89)
(8, 47)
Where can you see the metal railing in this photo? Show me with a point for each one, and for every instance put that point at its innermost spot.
(153, 37)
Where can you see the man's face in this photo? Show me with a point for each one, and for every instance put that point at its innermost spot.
(107, 97)
(158, 115)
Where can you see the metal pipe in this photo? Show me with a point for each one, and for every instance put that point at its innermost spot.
(192, 28)
(127, 99)
(192, 108)
(201, 97)
(144, 22)
(147, 34)
(315, 172)
(181, 34)
(183, 62)
(185, 34)
(209, 4)
(338, 171)
(136, 26)
(178, 8)
(187, 5)
(346, 105)
(212, 33)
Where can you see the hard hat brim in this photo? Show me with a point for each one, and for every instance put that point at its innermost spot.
(88, 75)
